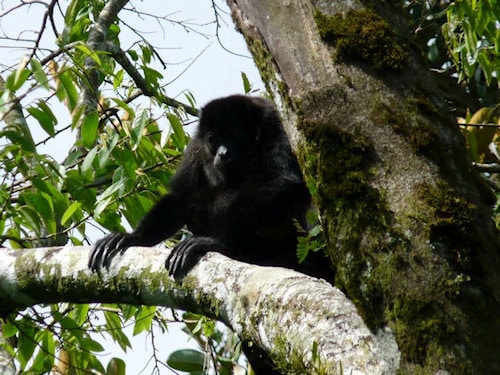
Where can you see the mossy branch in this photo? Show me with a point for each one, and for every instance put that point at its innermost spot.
(291, 316)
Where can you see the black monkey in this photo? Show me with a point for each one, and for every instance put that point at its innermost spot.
(239, 190)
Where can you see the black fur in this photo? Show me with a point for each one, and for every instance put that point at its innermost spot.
(239, 190)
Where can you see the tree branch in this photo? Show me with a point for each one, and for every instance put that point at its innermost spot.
(97, 36)
(121, 58)
(283, 312)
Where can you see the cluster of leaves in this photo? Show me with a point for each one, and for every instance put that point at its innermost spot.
(222, 347)
(473, 38)
(66, 332)
(462, 40)
(118, 158)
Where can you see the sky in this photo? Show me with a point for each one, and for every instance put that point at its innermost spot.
(195, 62)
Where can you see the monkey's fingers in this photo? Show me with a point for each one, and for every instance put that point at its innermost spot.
(106, 249)
(184, 257)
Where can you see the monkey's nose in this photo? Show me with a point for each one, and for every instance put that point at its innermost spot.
(222, 152)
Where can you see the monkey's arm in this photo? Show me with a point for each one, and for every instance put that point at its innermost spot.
(164, 219)
(256, 217)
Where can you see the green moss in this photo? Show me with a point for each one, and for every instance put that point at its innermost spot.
(405, 120)
(452, 224)
(338, 169)
(265, 64)
(362, 35)
(411, 286)
(296, 363)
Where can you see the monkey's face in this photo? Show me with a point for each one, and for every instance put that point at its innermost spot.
(229, 131)
(228, 155)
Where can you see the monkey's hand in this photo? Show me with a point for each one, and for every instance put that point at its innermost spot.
(108, 247)
(186, 254)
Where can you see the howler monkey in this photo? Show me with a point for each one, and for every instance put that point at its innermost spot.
(238, 189)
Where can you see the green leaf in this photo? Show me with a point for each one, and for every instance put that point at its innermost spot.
(129, 311)
(124, 106)
(40, 203)
(30, 218)
(26, 343)
(101, 205)
(115, 329)
(89, 53)
(133, 55)
(39, 73)
(179, 133)
(90, 344)
(138, 128)
(118, 79)
(80, 313)
(44, 359)
(144, 319)
(15, 80)
(89, 159)
(70, 211)
(188, 360)
(67, 89)
(107, 149)
(25, 143)
(116, 367)
(8, 329)
(44, 119)
(89, 129)
(247, 87)
(486, 66)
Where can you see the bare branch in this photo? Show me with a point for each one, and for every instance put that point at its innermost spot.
(489, 168)
(139, 80)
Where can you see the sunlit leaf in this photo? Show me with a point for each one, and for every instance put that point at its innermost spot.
(89, 53)
(44, 360)
(39, 73)
(118, 78)
(116, 366)
(247, 87)
(89, 159)
(15, 80)
(179, 133)
(89, 129)
(138, 126)
(67, 85)
(8, 329)
(70, 211)
(44, 119)
(144, 319)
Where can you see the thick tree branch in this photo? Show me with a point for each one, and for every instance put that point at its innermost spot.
(281, 311)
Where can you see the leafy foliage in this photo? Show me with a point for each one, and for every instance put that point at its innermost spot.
(115, 162)
(115, 159)
(471, 32)
(461, 41)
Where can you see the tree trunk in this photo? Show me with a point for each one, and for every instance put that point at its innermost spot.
(406, 218)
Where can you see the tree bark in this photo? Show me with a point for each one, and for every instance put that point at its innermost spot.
(302, 322)
(406, 218)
